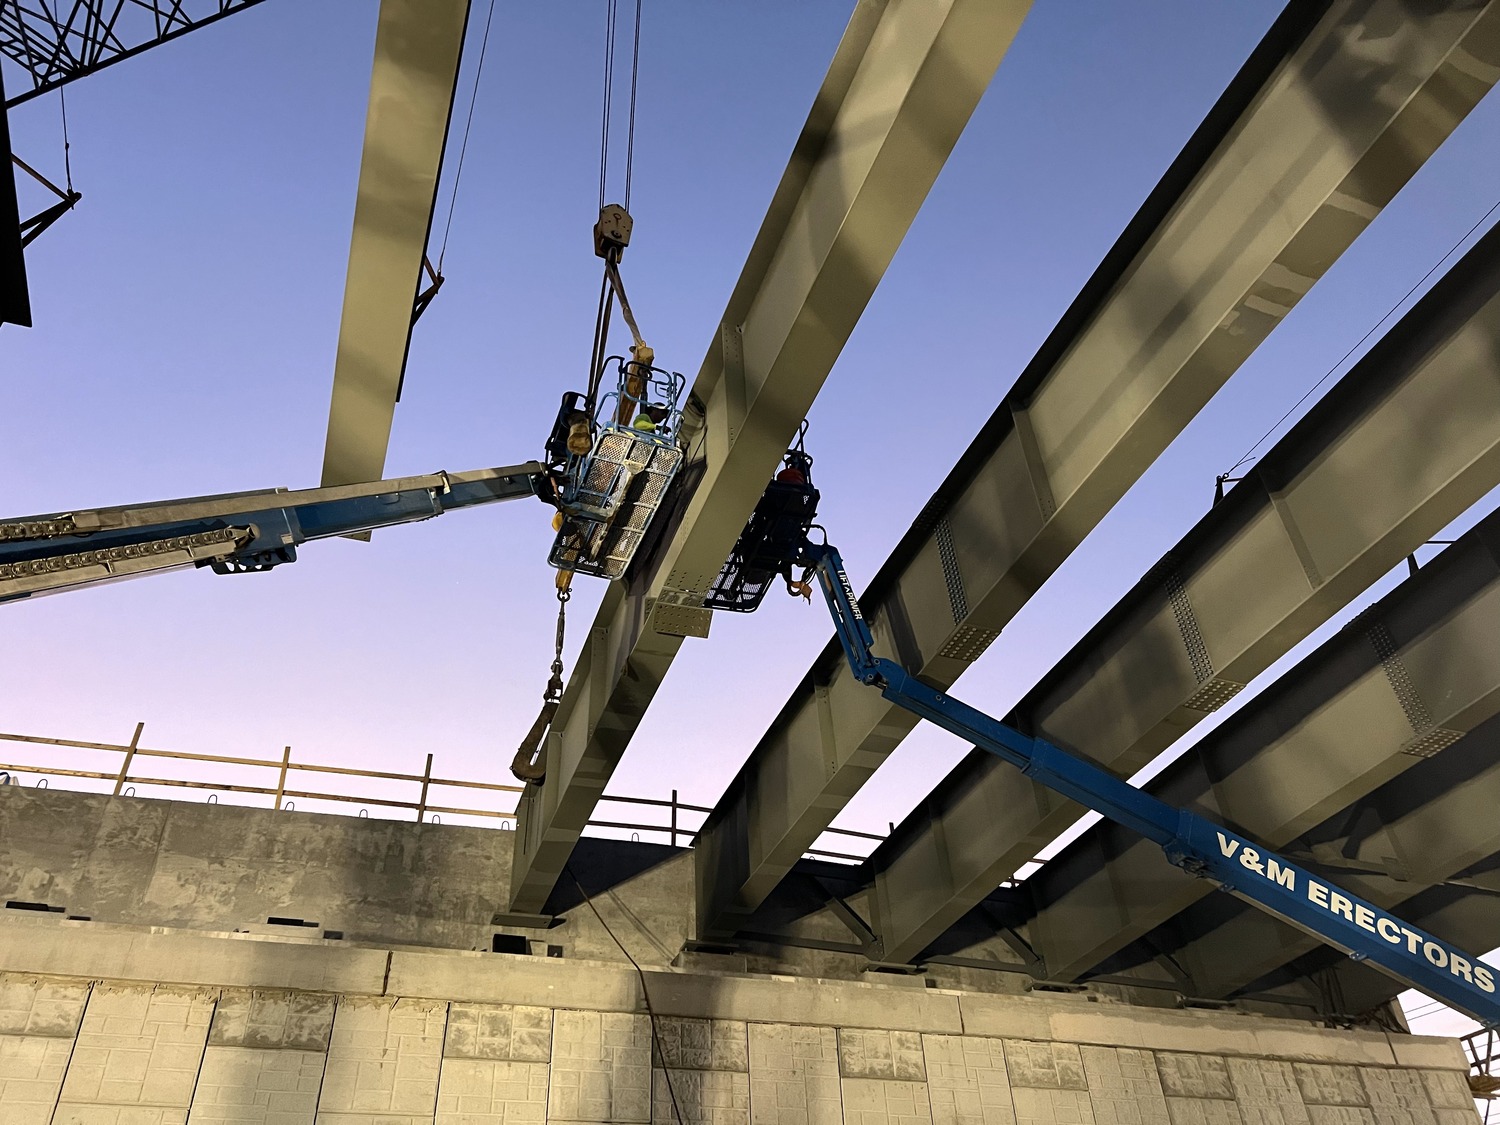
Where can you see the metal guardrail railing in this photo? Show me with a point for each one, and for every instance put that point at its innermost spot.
(284, 796)
(284, 767)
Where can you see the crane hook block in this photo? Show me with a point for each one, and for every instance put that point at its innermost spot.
(612, 231)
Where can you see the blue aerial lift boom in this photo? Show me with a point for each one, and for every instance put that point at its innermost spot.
(778, 539)
(1200, 847)
(237, 533)
(610, 458)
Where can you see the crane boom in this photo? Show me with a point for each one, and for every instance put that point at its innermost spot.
(1200, 847)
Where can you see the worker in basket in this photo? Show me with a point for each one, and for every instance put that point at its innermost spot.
(652, 419)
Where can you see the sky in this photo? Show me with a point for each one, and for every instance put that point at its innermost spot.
(187, 315)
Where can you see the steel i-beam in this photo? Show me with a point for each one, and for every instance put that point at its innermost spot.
(1400, 447)
(1337, 107)
(1433, 813)
(903, 84)
(1391, 854)
(418, 44)
(1468, 916)
(1415, 674)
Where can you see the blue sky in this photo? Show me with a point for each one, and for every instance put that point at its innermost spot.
(187, 314)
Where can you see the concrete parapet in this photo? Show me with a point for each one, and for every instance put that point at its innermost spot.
(92, 951)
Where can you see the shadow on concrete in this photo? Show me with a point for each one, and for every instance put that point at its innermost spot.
(602, 865)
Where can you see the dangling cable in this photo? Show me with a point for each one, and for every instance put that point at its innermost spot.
(611, 31)
(1249, 456)
(601, 344)
(635, 73)
(609, 81)
(612, 275)
(609, 240)
(62, 99)
(464, 147)
(645, 994)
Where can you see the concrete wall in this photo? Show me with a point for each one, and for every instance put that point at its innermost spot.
(215, 868)
(159, 995)
(220, 868)
(224, 867)
(122, 1027)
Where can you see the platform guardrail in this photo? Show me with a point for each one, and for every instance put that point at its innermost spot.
(288, 787)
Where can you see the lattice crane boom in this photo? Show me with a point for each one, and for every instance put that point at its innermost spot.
(58, 41)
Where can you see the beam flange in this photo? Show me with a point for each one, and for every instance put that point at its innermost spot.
(1468, 917)
(1333, 112)
(1423, 827)
(1336, 504)
(903, 84)
(418, 44)
(1416, 672)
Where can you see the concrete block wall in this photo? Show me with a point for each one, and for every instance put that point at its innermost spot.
(90, 1052)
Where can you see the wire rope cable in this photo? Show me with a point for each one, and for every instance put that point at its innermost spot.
(1249, 454)
(62, 100)
(635, 75)
(606, 115)
(601, 343)
(610, 11)
(463, 147)
(611, 289)
(645, 994)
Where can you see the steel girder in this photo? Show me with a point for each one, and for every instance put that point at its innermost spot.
(1425, 830)
(1468, 916)
(418, 44)
(1334, 111)
(1390, 693)
(902, 85)
(57, 41)
(1335, 504)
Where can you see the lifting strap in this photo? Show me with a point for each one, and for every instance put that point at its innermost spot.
(612, 271)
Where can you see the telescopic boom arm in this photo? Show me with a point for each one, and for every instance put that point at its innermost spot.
(235, 533)
(1243, 868)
